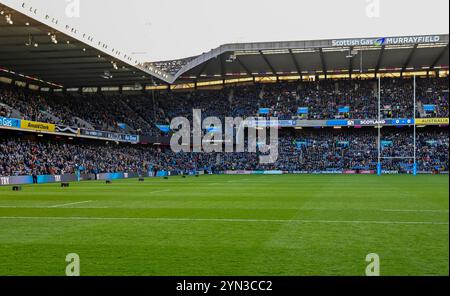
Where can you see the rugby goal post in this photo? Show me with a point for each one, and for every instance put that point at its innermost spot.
(379, 126)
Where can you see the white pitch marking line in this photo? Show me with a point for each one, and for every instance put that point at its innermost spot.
(70, 204)
(377, 210)
(227, 220)
(158, 191)
(241, 180)
(417, 211)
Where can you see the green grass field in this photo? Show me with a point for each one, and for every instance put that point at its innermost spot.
(229, 225)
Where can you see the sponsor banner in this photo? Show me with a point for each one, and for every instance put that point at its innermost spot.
(162, 174)
(287, 123)
(326, 172)
(9, 122)
(110, 176)
(261, 123)
(350, 172)
(37, 126)
(370, 122)
(386, 41)
(337, 122)
(367, 172)
(42, 179)
(238, 172)
(432, 121)
(16, 180)
(269, 172)
(386, 172)
(332, 172)
(111, 136)
(400, 121)
(86, 177)
(311, 123)
(424, 173)
(300, 172)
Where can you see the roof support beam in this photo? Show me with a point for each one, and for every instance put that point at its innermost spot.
(243, 66)
(222, 67)
(350, 63)
(408, 60)
(434, 64)
(380, 60)
(324, 65)
(297, 66)
(203, 69)
(272, 69)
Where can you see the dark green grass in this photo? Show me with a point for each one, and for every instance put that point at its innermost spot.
(229, 225)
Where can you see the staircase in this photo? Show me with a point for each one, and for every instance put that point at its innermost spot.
(50, 117)
(83, 123)
(13, 113)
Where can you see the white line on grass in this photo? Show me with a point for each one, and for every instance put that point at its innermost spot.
(70, 204)
(158, 191)
(227, 220)
(416, 211)
(377, 210)
(241, 180)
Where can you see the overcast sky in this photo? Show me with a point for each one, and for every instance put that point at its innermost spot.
(169, 29)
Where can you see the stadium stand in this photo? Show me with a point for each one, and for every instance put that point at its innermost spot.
(306, 151)
(141, 112)
(87, 92)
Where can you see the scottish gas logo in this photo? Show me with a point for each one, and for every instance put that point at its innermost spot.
(380, 42)
(9, 122)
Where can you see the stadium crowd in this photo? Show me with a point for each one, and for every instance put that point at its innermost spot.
(311, 151)
(140, 113)
(307, 150)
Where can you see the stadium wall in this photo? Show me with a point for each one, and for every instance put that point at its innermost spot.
(46, 179)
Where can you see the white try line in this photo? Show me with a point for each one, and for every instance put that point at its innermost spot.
(70, 204)
(226, 220)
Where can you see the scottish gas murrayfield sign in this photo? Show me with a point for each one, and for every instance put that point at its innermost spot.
(386, 41)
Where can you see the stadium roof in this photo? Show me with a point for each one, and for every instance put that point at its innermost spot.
(79, 59)
(323, 57)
